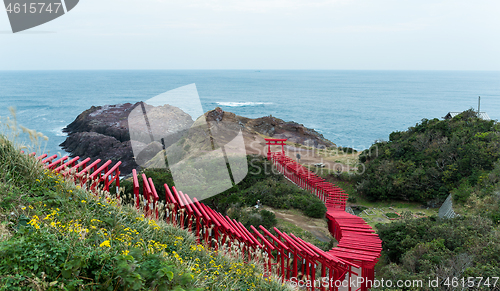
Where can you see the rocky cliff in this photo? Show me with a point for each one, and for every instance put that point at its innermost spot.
(103, 132)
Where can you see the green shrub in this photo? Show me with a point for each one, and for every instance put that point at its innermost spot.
(431, 159)
(253, 217)
(267, 185)
(495, 217)
(316, 210)
(431, 247)
(347, 150)
(352, 200)
(391, 215)
(462, 192)
(268, 219)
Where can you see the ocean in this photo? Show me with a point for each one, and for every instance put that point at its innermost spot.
(350, 108)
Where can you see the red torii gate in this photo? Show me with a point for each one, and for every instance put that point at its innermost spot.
(275, 141)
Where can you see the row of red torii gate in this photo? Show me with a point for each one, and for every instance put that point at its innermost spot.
(348, 266)
(358, 243)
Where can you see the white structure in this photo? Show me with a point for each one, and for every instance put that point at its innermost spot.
(446, 210)
(482, 115)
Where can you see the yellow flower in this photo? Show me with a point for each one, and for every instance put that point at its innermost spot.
(105, 243)
(34, 222)
(83, 201)
(125, 252)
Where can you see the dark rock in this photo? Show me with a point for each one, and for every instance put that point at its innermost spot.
(215, 115)
(109, 120)
(102, 132)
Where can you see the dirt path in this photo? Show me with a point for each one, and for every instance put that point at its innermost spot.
(309, 158)
(316, 226)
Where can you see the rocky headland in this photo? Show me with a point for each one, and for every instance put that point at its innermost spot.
(102, 132)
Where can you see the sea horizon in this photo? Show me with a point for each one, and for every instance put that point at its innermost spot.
(361, 70)
(351, 108)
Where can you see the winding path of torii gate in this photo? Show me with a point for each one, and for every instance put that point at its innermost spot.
(357, 241)
(285, 255)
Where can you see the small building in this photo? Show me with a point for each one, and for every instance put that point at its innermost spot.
(482, 115)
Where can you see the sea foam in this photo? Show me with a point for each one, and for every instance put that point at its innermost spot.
(241, 104)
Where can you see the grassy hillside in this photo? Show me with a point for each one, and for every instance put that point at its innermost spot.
(57, 236)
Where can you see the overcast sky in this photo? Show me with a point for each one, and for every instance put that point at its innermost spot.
(261, 34)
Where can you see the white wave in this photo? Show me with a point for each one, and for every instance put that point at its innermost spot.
(58, 131)
(241, 104)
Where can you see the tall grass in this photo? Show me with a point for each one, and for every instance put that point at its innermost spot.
(55, 235)
(12, 158)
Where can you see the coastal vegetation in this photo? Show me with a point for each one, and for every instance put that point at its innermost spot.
(425, 164)
(416, 249)
(55, 235)
(465, 246)
(414, 172)
(264, 184)
(432, 159)
(436, 158)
